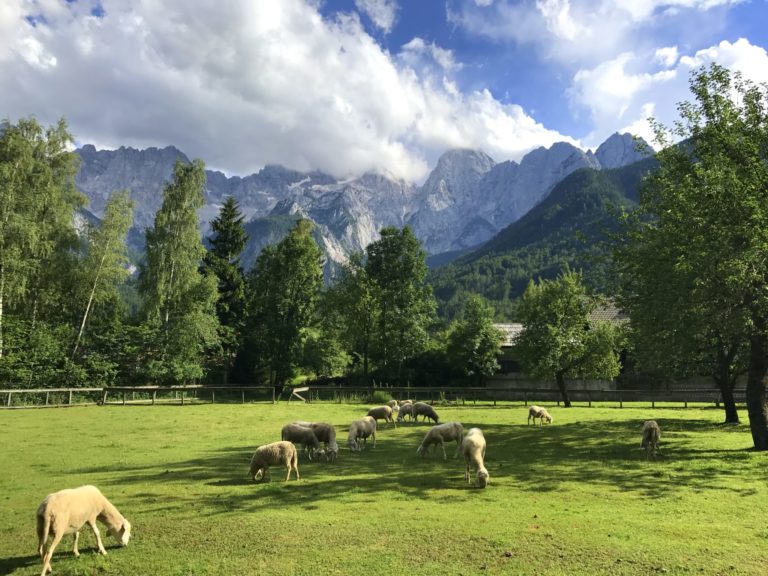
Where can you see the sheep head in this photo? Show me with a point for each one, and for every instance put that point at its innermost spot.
(482, 478)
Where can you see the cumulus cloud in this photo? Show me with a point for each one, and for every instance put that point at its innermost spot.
(242, 84)
(381, 12)
(626, 90)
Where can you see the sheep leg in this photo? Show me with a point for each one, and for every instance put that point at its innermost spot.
(95, 528)
(49, 554)
(75, 551)
(442, 445)
(458, 448)
(374, 439)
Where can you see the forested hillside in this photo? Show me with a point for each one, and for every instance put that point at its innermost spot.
(566, 229)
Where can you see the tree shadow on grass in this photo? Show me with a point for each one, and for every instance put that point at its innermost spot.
(598, 453)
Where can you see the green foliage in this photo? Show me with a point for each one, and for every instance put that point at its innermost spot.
(558, 341)
(474, 344)
(323, 353)
(380, 397)
(702, 234)
(284, 289)
(179, 300)
(223, 261)
(405, 307)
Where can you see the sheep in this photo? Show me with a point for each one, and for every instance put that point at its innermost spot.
(404, 402)
(473, 448)
(394, 405)
(301, 435)
(540, 413)
(65, 512)
(360, 430)
(382, 413)
(405, 410)
(325, 433)
(424, 409)
(282, 452)
(440, 434)
(651, 437)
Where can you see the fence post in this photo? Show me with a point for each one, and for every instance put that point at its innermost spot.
(686, 403)
(242, 393)
(621, 403)
(124, 393)
(182, 397)
(154, 396)
(9, 398)
(104, 397)
(213, 396)
(589, 397)
(525, 397)
(273, 394)
(70, 398)
(46, 398)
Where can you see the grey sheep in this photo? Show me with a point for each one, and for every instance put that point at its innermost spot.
(359, 431)
(473, 448)
(325, 433)
(651, 437)
(405, 410)
(424, 409)
(439, 434)
(382, 413)
(282, 452)
(301, 435)
(65, 512)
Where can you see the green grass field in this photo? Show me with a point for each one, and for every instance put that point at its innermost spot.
(576, 497)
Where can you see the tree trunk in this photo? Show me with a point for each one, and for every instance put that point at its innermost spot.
(90, 303)
(729, 403)
(756, 384)
(563, 390)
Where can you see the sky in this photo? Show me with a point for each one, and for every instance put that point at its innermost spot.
(355, 86)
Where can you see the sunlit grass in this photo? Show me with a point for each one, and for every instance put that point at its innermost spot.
(576, 497)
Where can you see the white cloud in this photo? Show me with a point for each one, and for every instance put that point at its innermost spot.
(419, 54)
(667, 56)
(627, 90)
(245, 83)
(381, 12)
(574, 31)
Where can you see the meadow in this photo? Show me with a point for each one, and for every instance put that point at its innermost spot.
(573, 498)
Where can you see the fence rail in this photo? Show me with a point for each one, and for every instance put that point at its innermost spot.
(123, 395)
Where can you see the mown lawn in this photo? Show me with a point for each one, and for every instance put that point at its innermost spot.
(576, 497)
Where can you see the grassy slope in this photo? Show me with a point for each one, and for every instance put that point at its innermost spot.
(576, 497)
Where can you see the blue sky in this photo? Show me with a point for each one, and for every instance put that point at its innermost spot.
(349, 86)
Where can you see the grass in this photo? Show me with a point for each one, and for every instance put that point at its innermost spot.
(573, 498)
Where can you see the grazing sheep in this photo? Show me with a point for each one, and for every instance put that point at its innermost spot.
(65, 512)
(540, 413)
(382, 413)
(473, 448)
(405, 410)
(282, 452)
(325, 433)
(651, 437)
(359, 431)
(424, 409)
(404, 402)
(394, 405)
(301, 435)
(440, 434)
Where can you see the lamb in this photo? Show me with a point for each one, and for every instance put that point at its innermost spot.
(65, 512)
(301, 435)
(405, 410)
(473, 448)
(382, 413)
(282, 452)
(360, 430)
(440, 434)
(424, 409)
(540, 413)
(325, 433)
(651, 437)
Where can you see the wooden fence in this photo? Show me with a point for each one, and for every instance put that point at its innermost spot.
(124, 395)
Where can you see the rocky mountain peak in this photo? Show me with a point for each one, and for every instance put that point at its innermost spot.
(619, 150)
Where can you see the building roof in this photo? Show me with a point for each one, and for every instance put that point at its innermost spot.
(511, 332)
(608, 312)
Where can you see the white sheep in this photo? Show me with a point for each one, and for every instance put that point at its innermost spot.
(405, 410)
(359, 431)
(473, 448)
(404, 402)
(394, 405)
(325, 433)
(382, 413)
(651, 437)
(424, 409)
(65, 512)
(540, 413)
(301, 435)
(282, 452)
(439, 434)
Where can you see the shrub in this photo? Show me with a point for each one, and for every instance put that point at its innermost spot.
(380, 397)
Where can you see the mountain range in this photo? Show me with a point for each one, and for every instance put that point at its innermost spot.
(467, 199)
